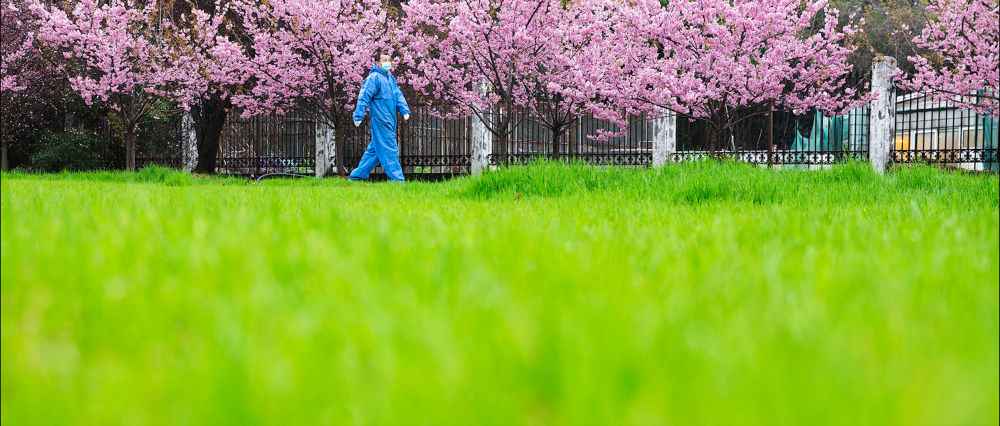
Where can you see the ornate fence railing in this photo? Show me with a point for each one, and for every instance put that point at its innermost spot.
(160, 142)
(529, 139)
(925, 131)
(930, 130)
(267, 144)
(247, 146)
(778, 138)
(428, 145)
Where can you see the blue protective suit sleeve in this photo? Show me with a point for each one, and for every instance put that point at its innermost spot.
(401, 105)
(368, 90)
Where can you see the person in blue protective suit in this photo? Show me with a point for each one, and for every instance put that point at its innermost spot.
(380, 96)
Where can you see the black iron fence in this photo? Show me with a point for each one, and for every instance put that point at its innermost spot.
(428, 144)
(930, 130)
(268, 144)
(776, 138)
(927, 130)
(248, 145)
(529, 139)
(160, 141)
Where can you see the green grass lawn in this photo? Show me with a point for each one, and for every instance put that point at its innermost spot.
(698, 294)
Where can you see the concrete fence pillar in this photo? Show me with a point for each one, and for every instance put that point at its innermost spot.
(482, 144)
(325, 148)
(189, 136)
(883, 113)
(664, 138)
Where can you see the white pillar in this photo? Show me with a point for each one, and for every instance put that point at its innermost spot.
(482, 144)
(664, 138)
(189, 137)
(331, 151)
(883, 113)
(325, 149)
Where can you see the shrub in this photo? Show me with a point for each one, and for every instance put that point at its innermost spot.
(76, 150)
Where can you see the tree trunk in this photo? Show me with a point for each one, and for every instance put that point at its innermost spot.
(503, 127)
(67, 118)
(340, 123)
(130, 150)
(4, 165)
(717, 135)
(209, 117)
(770, 137)
(726, 138)
(506, 119)
(707, 137)
(556, 133)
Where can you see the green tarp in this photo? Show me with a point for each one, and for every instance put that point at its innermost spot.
(848, 132)
(990, 136)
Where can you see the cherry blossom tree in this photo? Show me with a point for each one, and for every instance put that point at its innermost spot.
(22, 71)
(962, 45)
(573, 75)
(17, 43)
(466, 55)
(492, 57)
(114, 55)
(311, 54)
(718, 59)
(206, 49)
(16, 46)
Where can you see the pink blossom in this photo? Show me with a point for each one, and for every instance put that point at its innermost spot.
(962, 43)
(17, 44)
(312, 53)
(114, 55)
(111, 48)
(201, 57)
(543, 56)
(707, 58)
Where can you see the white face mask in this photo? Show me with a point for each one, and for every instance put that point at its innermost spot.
(387, 66)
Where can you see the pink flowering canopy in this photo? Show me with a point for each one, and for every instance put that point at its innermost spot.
(478, 56)
(122, 53)
(573, 74)
(962, 41)
(708, 57)
(201, 57)
(114, 54)
(312, 53)
(17, 44)
(467, 54)
(111, 49)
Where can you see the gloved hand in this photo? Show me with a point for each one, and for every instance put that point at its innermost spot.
(357, 123)
(406, 117)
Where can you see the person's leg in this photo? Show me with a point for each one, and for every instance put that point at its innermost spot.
(368, 161)
(388, 153)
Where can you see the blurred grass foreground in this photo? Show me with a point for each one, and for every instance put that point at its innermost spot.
(697, 294)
